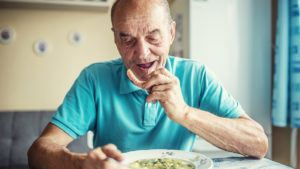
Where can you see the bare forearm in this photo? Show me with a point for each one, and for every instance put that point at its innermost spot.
(44, 154)
(240, 135)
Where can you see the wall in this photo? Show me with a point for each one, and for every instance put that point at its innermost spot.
(233, 39)
(180, 7)
(31, 82)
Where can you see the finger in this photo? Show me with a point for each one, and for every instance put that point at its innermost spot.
(160, 76)
(163, 71)
(112, 151)
(166, 72)
(158, 95)
(97, 155)
(95, 158)
(161, 87)
(134, 79)
(98, 158)
(155, 80)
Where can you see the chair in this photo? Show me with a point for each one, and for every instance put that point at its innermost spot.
(18, 131)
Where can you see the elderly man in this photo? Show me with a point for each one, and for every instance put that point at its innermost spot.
(146, 100)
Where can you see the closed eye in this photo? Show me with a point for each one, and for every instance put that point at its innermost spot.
(153, 40)
(154, 36)
(127, 40)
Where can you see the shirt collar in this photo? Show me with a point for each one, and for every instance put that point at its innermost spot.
(127, 86)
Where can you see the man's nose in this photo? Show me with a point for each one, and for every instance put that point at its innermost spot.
(142, 49)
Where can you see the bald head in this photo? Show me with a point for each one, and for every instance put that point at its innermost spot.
(138, 6)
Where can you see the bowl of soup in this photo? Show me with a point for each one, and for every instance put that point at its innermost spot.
(166, 159)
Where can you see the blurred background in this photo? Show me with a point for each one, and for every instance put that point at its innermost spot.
(44, 46)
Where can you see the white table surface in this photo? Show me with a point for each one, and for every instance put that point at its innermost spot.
(228, 160)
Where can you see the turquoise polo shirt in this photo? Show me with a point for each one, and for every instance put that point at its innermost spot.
(104, 101)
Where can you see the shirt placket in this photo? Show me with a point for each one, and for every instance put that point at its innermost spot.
(150, 113)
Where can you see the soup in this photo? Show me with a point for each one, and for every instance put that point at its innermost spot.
(162, 163)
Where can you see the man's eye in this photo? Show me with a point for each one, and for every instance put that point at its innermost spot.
(128, 41)
(153, 40)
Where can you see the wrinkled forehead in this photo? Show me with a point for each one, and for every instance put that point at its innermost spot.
(140, 23)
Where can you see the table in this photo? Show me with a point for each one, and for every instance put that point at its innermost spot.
(228, 160)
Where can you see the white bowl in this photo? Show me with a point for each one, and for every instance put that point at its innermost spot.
(200, 161)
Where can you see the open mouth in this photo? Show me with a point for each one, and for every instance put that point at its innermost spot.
(145, 66)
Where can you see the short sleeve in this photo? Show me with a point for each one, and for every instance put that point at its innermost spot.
(76, 115)
(215, 99)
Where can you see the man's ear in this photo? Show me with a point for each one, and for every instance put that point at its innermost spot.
(172, 31)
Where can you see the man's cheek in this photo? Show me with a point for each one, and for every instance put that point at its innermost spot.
(125, 51)
(159, 51)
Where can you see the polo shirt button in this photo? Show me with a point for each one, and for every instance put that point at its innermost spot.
(140, 92)
(150, 104)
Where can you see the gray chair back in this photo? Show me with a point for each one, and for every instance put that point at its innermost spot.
(18, 131)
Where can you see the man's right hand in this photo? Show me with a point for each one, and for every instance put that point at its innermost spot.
(49, 151)
(99, 158)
